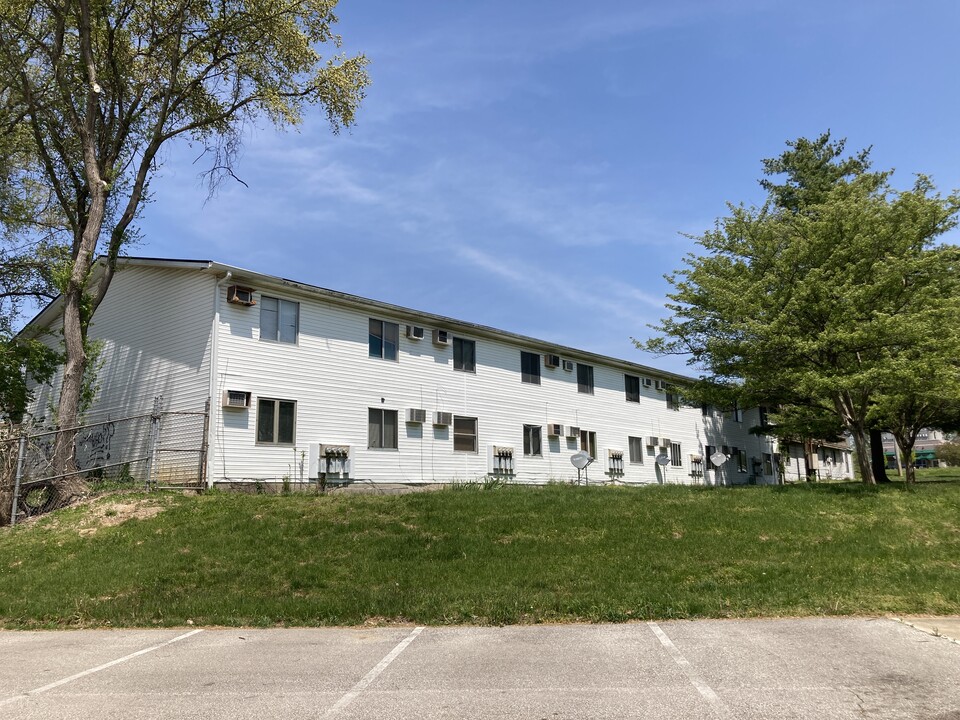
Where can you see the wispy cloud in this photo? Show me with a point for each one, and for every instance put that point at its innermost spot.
(613, 300)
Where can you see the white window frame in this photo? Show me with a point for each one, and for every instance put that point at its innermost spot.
(275, 430)
(460, 435)
(532, 441)
(384, 324)
(276, 335)
(377, 417)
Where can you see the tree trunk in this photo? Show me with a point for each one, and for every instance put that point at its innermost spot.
(905, 445)
(69, 485)
(808, 460)
(863, 455)
(877, 458)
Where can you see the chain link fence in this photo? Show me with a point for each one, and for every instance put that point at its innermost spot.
(160, 449)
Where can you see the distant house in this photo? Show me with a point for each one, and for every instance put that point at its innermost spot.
(356, 389)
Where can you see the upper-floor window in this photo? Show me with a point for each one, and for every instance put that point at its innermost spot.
(532, 440)
(585, 378)
(279, 319)
(673, 400)
(382, 429)
(530, 367)
(465, 433)
(276, 421)
(384, 339)
(631, 386)
(464, 355)
(735, 413)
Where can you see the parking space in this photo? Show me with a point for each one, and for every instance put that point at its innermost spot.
(808, 668)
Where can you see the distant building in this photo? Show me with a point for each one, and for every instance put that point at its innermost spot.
(924, 451)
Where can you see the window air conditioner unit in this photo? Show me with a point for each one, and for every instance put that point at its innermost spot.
(568, 365)
(551, 361)
(235, 399)
(555, 429)
(414, 332)
(660, 385)
(416, 415)
(442, 418)
(441, 337)
(653, 441)
(647, 382)
(665, 442)
(573, 431)
(239, 295)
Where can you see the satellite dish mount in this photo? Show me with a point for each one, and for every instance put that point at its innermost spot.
(580, 461)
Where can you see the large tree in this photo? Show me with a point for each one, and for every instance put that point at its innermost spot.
(805, 300)
(98, 87)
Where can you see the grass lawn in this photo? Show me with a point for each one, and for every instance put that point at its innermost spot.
(505, 555)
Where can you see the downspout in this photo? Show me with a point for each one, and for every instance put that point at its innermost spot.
(214, 366)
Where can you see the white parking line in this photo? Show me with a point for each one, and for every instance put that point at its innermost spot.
(372, 675)
(91, 671)
(717, 705)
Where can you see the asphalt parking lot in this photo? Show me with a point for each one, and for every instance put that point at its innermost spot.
(751, 669)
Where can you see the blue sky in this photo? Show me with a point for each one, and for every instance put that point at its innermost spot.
(533, 165)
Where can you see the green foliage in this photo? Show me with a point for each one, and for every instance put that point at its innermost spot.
(949, 453)
(826, 295)
(22, 361)
(91, 93)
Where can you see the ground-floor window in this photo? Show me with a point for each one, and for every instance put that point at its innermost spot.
(675, 459)
(276, 421)
(464, 433)
(636, 449)
(588, 443)
(382, 426)
(532, 440)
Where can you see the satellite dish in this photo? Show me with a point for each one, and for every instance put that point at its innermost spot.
(580, 460)
(663, 459)
(718, 458)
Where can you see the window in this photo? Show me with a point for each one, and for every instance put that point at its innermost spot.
(764, 417)
(382, 429)
(636, 450)
(735, 414)
(531, 440)
(741, 460)
(767, 464)
(276, 421)
(279, 319)
(465, 434)
(675, 455)
(585, 378)
(588, 443)
(384, 339)
(673, 401)
(708, 452)
(464, 355)
(530, 367)
(631, 386)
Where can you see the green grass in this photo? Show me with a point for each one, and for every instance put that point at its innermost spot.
(496, 555)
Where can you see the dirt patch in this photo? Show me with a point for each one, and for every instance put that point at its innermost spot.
(109, 514)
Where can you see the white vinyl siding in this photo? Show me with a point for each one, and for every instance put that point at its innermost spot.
(158, 322)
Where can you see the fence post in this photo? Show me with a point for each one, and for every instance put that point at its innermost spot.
(21, 454)
(202, 470)
(154, 438)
